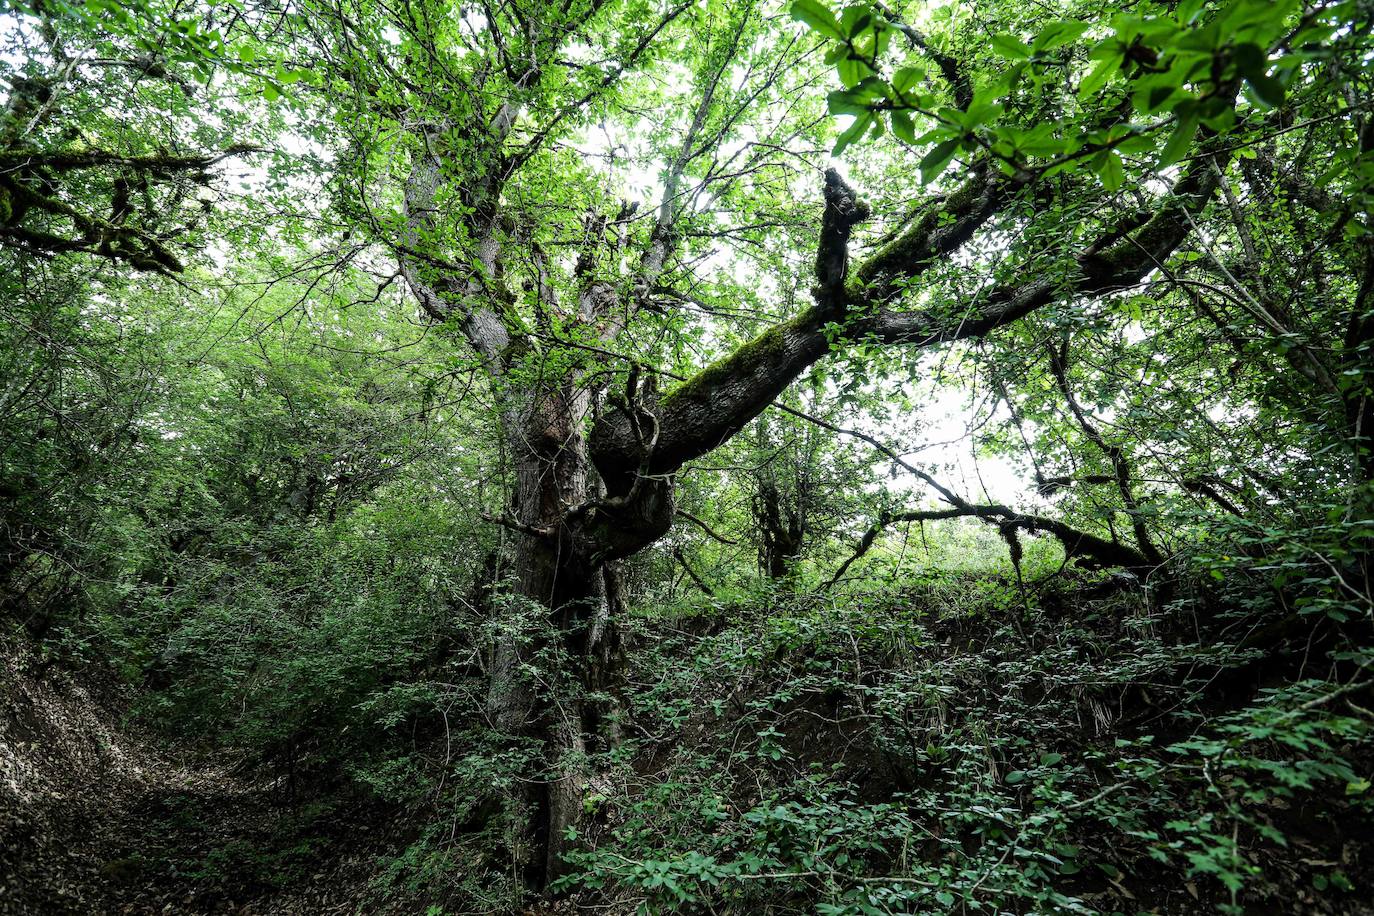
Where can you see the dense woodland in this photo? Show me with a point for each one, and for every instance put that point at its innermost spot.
(702, 456)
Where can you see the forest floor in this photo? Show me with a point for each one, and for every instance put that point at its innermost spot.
(769, 716)
(95, 818)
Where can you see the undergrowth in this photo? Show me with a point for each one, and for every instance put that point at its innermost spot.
(932, 752)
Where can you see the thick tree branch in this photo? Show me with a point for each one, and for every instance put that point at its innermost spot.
(443, 294)
(712, 406)
(711, 532)
(1201, 486)
(663, 237)
(952, 70)
(1076, 543)
(160, 165)
(843, 211)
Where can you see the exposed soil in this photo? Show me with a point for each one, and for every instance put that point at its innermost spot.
(95, 818)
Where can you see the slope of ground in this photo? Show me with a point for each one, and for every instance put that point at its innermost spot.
(96, 819)
(956, 746)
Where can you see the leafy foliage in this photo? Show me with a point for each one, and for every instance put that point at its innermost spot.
(917, 754)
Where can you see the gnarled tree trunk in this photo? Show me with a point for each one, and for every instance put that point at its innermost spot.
(564, 574)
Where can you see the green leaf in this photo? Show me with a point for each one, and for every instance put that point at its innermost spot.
(1268, 90)
(1180, 140)
(856, 101)
(1100, 74)
(1110, 172)
(1009, 46)
(853, 71)
(817, 17)
(906, 78)
(1250, 58)
(938, 159)
(854, 132)
(979, 113)
(1253, 63)
(1037, 141)
(854, 20)
(1057, 34)
(903, 127)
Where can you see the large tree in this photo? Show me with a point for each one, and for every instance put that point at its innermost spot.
(473, 136)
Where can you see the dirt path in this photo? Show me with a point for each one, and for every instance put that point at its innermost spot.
(94, 819)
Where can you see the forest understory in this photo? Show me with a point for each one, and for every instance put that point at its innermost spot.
(775, 754)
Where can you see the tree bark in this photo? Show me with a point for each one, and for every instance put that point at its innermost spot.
(566, 577)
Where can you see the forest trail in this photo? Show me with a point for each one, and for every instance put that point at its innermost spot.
(96, 819)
